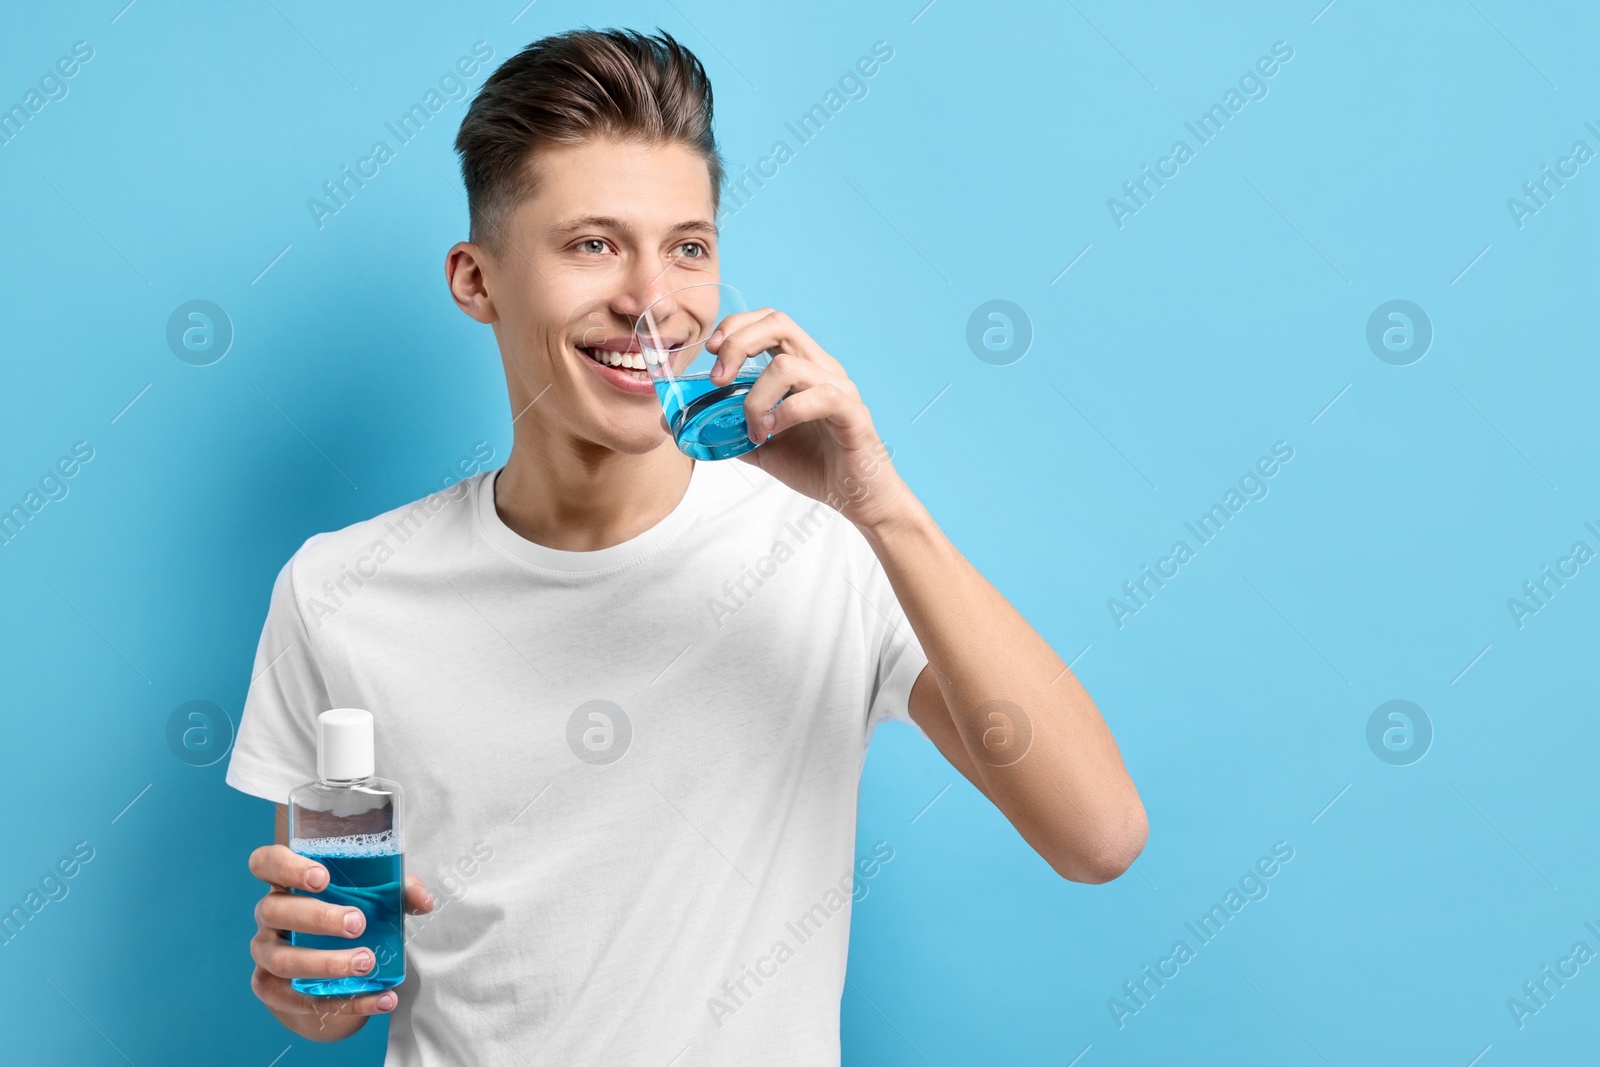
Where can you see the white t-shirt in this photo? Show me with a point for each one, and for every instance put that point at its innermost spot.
(630, 775)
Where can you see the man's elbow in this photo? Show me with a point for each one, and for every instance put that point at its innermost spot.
(1118, 847)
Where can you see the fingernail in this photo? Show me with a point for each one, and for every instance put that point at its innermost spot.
(715, 338)
(769, 420)
(316, 878)
(431, 901)
(386, 1002)
(363, 962)
(353, 922)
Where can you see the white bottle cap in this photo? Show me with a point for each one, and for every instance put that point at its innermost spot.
(344, 744)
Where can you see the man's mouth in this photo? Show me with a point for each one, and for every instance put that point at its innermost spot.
(630, 363)
(626, 357)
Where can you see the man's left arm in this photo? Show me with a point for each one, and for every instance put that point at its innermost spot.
(1004, 709)
(995, 698)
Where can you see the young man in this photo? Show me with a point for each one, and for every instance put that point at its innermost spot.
(629, 694)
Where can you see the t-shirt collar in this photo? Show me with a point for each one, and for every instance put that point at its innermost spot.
(601, 561)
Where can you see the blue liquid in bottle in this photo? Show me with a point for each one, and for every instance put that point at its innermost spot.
(365, 874)
(350, 821)
(707, 419)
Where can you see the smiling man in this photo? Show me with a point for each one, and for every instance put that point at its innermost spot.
(640, 814)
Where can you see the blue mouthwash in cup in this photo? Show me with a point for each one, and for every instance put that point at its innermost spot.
(349, 820)
(706, 419)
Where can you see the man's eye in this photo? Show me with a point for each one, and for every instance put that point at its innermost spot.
(592, 241)
(700, 251)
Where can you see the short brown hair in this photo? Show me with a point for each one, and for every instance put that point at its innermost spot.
(565, 89)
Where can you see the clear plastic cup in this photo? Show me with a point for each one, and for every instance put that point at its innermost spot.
(705, 419)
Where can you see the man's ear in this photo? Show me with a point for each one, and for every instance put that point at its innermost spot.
(466, 272)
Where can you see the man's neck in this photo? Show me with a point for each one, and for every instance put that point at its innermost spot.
(574, 496)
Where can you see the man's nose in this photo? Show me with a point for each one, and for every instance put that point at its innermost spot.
(648, 316)
(646, 287)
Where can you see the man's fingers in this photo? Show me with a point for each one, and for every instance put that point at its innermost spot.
(823, 401)
(284, 911)
(278, 994)
(785, 375)
(744, 336)
(284, 960)
(280, 866)
(731, 325)
(418, 900)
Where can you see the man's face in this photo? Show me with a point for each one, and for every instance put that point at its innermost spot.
(613, 228)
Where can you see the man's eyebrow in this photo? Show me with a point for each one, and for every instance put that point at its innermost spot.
(609, 222)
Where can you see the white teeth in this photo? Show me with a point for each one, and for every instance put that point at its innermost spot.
(630, 361)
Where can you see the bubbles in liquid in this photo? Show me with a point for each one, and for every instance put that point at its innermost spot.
(382, 844)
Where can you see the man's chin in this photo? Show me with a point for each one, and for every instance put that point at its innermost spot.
(636, 440)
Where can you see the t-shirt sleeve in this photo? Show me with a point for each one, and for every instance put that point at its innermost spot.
(276, 747)
(897, 653)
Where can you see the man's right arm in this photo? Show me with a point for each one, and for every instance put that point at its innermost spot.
(277, 961)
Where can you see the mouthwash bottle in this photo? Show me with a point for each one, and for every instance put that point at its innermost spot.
(348, 820)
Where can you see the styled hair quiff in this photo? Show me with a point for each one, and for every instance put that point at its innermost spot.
(566, 89)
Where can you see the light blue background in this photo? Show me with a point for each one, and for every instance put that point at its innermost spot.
(1228, 314)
